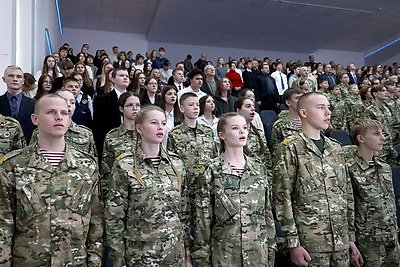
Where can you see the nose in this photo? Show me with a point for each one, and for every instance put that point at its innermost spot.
(383, 138)
(328, 111)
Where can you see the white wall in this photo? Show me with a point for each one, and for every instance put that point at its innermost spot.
(339, 57)
(137, 43)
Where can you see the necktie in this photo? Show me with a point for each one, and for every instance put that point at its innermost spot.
(282, 83)
(332, 79)
(14, 107)
(355, 78)
(179, 88)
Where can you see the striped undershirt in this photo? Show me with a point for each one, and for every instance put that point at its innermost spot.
(239, 171)
(53, 157)
(297, 122)
(155, 161)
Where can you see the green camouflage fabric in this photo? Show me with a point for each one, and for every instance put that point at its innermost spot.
(337, 107)
(349, 103)
(78, 136)
(196, 149)
(254, 138)
(117, 141)
(358, 110)
(11, 135)
(312, 84)
(384, 116)
(393, 104)
(281, 129)
(313, 195)
(147, 218)
(374, 201)
(50, 216)
(234, 224)
(344, 90)
(379, 253)
(334, 258)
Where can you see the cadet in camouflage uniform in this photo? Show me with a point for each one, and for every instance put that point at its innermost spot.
(379, 111)
(256, 142)
(360, 107)
(288, 121)
(337, 107)
(344, 85)
(234, 223)
(120, 139)
(51, 215)
(192, 142)
(349, 103)
(393, 104)
(147, 210)
(374, 202)
(312, 192)
(11, 135)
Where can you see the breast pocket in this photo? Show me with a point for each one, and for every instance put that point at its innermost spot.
(81, 198)
(310, 177)
(29, 203)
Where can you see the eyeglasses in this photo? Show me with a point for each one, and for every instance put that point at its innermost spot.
(132, 106)
(47, 82)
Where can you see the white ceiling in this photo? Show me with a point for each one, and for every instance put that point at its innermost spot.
(277, 25)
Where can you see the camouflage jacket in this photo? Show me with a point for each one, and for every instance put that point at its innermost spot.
(254, 138)
(147, 206)
(11, 135)
(195, 149)
(281, 129)
(374, 201)
(78, 136)
(313, 194)
(51, 216)
(344, 90)
(116, 142)
(349, 103)
(337, 107)
(234, 223)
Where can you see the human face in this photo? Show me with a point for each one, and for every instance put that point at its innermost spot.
(170, 97)
(74, 87)
(142, 79)
(373, 139)
(190, 108)
(336, 91)
(80, 68)
(382, 94)
(153, 127)
(250, 94)
(156, 73)
(265, 69)
(368, 95)
(226, 85)
(152, 86)
(115, 50)
(63, 53)
(235, 132)
(305, 86)
(221, 61)
(317, 113)
(345, 79)
(67, 72)
(121, 79)
(50, 63)
(324, 85)
(210, 71)
(178, 76)
(247, 110)
(304, 71)
(353, 89)
(196, 82)
(233, 66)
(328, 68)
(320, 68)
(161, 53)
(108, 67)
(47, 84)
(14, 79)
(130, 108)
(70, 98)
(81, 57)
(210, 104)
(56, 57)
(53, 118)
(292, 103)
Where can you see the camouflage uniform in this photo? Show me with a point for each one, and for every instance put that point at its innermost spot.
(393, 104)
(313, 198)
(344, 90)
(312, 84)
(11, 135)
(78, 136)
(116, 142)
(147, 217)
(384, 116)
(375, 210)
(281, 129)
(51, 216)
(234, 223)
(195, 149)
(254, 138)
(337, 107)
(358, 110)
(349, 103)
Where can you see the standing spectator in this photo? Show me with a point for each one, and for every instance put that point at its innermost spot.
(354, 78)
(280, 79)
(113, 55)
(196, 81)
(29, 88)
(13, 103)
(188, 64)
(139, 62)
(129, 57)
(49, 67)
(165, 72)
(235, 78)
(158, 61)
(45, 84)
(249, 75)
(201, 63)
(224, 101)
(267, 95)
(121, 57)
(210, 84)
(329, 75)
(220, 69)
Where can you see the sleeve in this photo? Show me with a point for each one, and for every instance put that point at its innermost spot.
(284, 177)
(269, 219)
(115, 214)
(7, 207)
(95, 244)
(19, 138)
(171, 146)
(276, 136)
(201, 252)
(105, 169)
(257, 89)
(350, 206)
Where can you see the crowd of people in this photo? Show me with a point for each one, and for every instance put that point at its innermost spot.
(120, 158)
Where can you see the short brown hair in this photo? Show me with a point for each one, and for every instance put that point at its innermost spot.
(361, 126)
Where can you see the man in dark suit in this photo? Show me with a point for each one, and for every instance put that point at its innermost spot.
(14, 104)
(266, 93)
(354, 78)
(106, 114)
(329, 75)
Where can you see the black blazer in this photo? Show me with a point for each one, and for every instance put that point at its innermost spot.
(206, 89)
(24, 116)
(352, 79)
(106, 116)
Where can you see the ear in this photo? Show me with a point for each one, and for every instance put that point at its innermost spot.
(139, 129)
(121, 109)
(181, 108)
(4, 79)
(288, 103)
(303, 113)
(360, 139)
(221, 135)
(34, 119)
